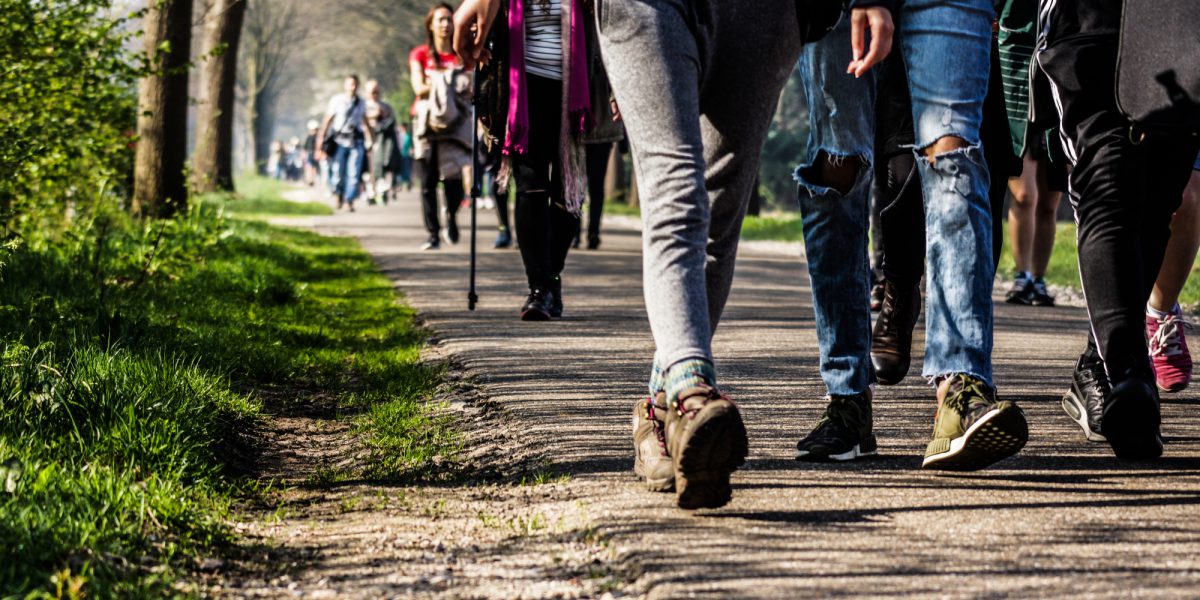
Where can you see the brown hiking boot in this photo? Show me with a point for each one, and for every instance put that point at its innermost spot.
(891, 339)
(650, 458)
(707, 442)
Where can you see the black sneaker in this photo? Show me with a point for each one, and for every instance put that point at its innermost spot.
(503, 239)
(1021, 291)
(1041, 296)
(1131, 420)
(431, 244)
(1084, 402)
(843, 433)
(538, 305)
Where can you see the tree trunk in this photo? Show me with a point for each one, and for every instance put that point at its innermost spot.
(160, 185)
(212, 165)
(262, 123)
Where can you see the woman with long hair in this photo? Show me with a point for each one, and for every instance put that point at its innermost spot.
(443, 152)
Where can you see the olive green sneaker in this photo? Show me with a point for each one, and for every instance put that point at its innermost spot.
(972, 429)
(651, 461)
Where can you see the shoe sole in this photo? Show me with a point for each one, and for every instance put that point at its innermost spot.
(865, 448)
(1131, 428)
(715, 449)
(1018, 301)
(1073, 406)
(995, 437)
(535, 315)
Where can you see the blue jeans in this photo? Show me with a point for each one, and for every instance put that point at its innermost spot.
(345, 172)
(945, 45)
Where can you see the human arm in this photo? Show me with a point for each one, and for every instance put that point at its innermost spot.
(420, 83)
(874, 16)
(472, 22)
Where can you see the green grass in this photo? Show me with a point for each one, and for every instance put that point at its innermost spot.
(260, 197)
(779, 228)
(130, 359)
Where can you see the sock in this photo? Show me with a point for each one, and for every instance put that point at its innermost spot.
(658, 379)
(1160, 315)
(688, 374)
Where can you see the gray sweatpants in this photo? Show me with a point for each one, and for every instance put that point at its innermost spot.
(697, 82)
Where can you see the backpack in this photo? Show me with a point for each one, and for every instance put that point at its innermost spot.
(1158, 65)
(446, 108)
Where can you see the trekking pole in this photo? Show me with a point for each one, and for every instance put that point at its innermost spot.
(476, 184)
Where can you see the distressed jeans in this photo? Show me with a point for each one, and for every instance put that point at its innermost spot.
(345, 172)
(945, 45)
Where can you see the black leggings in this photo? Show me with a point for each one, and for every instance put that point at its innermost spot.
(1123, 193)
(597, 169)
(429, 202)
(545, 229)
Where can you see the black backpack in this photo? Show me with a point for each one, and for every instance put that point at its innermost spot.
(1158, 65)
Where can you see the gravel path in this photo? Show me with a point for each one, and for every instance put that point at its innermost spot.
(1061, 519)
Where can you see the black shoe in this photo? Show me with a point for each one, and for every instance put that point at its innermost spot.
(431, 244)
(575, 243)
(538, 305)
(1021, 291)
(1084, 402)
(593, 243)
(843, 433)
(1131, 420)
(877, 293)
(1041, 295)
(503, 239)
(891, 338)
(556, 304)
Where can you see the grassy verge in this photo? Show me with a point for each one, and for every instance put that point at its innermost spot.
(129, 358)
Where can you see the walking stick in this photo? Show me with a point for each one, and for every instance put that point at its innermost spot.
(476, 184)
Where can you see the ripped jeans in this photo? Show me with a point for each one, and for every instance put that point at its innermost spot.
(946, 49)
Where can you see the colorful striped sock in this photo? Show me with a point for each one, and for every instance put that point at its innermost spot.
(689, 374)
(658, 380)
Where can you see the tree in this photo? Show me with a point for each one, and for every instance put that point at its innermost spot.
(159, 182)
(272, 31)
(212, 164)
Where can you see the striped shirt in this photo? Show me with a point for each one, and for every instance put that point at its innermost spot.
(543, 38)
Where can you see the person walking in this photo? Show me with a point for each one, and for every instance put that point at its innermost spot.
(1165, 325)
(344, 126)
(544, 60)
(384, 157)
(312, 166)
(441, 124)
(677, 70)
(946, 52)
(1125, 185)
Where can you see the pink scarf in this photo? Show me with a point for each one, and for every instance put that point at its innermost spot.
(579, 104)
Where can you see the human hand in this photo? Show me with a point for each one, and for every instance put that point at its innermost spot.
(878, 21)
(616, 110)
(472, 21)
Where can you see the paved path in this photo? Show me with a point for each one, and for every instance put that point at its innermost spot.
(1061, 519)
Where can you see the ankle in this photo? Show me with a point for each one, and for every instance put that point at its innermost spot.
(687, 375)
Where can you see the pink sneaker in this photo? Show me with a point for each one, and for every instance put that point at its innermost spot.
(1169, 351)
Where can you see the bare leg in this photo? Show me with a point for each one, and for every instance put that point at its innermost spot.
(1181, 250)
(1021, 219)
(1045, 216)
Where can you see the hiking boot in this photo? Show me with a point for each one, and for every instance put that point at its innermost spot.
(972, 429)
(1169, 355)
(707, 442)
(1041, 294)
(1131, 420)
(650, 458)
(877, 294)
(1084, 401)
(538, 305)
(843, 433)
(1021, 291)
(891, 339)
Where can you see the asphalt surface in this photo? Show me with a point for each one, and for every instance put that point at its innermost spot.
(1062, 519)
